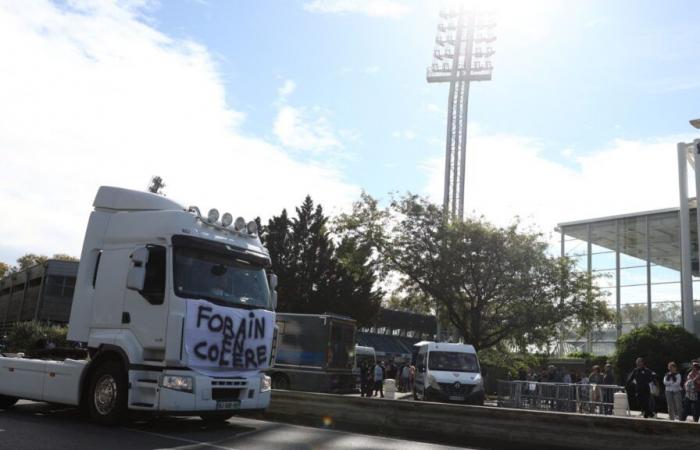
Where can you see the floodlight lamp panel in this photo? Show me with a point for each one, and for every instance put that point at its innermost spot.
(695, 123)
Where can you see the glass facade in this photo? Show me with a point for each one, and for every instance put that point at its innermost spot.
(636, 262)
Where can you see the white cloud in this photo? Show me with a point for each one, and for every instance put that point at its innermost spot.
(433, 108)
(371, 70)
(509, 176)
(307, 129)
(287, 88)
(404, 134)
(372, 8)
(98, 97)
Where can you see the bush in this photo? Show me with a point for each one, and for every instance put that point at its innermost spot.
(658, 345)
(28, 336)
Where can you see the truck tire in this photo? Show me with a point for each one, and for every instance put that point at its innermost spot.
(7, 402)
(216, 418)
(108, 393)
(280, 381)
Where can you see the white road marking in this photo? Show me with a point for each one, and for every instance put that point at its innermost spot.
(188, 441)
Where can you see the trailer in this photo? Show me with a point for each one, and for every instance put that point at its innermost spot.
(315, 352)
(174, 311)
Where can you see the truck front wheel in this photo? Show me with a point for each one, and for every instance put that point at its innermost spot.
(7, 402)
(108, 393)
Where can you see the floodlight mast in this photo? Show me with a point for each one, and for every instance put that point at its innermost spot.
(462, 55)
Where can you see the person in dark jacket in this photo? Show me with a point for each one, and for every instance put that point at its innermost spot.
(640, 378)
(608, 394)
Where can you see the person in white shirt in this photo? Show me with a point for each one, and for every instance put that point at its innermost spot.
(674, 396)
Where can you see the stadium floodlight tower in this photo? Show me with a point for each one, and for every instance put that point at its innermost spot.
(462, 55)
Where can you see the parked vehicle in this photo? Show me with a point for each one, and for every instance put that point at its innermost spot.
(175, 312)
(315, 352)
(364, 355)
(448, 373)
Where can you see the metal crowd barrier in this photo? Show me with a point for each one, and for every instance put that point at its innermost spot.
(562, 397)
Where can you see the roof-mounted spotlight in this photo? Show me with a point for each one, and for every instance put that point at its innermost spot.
(252, 227)
(213, 215)
(239, 224)
(226, 219)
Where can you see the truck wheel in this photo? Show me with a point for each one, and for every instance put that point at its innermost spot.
(216, 418)
(7, 402)
(280, 381)
(108, 394)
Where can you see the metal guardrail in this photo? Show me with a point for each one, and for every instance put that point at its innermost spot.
(561, 397)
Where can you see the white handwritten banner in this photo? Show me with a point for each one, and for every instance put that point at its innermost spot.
(227, 340)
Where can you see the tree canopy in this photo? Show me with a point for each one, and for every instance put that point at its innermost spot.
(658, 345)
(493, 284)
(316, 275)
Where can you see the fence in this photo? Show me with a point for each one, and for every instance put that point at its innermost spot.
(562, 397)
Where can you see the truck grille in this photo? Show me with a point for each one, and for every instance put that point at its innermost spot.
(225, 394)
(453, 389)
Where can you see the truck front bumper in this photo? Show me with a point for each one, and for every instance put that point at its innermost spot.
(208, 394)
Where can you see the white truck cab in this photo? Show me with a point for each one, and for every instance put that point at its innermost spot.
(448, 372)
(176, 312)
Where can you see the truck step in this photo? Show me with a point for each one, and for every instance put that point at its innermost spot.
(143, 405)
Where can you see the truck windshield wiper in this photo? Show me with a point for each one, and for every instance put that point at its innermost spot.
(218, 301)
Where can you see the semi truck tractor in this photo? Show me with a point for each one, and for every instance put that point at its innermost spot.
(174, 311)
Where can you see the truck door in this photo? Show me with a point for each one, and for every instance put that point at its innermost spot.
(145, 311)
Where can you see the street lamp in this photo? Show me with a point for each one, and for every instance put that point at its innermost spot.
(695, 123)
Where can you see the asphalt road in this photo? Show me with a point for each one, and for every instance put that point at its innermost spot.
(38, 426)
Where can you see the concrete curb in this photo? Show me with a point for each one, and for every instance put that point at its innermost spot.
(479, 426)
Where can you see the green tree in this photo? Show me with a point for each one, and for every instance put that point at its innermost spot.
(494, 284)
(658, 345)
(30, 259)
(314, 275)
(4, 269)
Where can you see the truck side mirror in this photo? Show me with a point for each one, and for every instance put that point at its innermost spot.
(272, 281)
(136, 278)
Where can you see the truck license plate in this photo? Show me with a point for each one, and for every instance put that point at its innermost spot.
(228, 405)
(457, 398)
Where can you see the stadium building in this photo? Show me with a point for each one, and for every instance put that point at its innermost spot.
(646, 262)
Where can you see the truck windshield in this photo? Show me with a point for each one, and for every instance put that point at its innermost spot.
(208, 275)
(453, 362)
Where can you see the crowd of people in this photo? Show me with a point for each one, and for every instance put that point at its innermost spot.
(643, 386)
(680, 389)
(372, 377)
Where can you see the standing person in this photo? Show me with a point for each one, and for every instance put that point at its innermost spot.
(411, 377)
(608, 394)
(363, 379)
(690, 402)
(379, 379)
(674, 397)
(596, 378)
(405, 374)
(641, 377)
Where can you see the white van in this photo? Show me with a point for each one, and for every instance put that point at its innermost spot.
(448, 373)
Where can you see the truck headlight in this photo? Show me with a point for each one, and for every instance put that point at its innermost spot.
(265, 383)
(432, 382)
(177, 382)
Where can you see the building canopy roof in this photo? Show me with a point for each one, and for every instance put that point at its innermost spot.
(630, 233)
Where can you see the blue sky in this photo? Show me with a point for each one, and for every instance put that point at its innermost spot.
(594, 71)
(248, 106)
